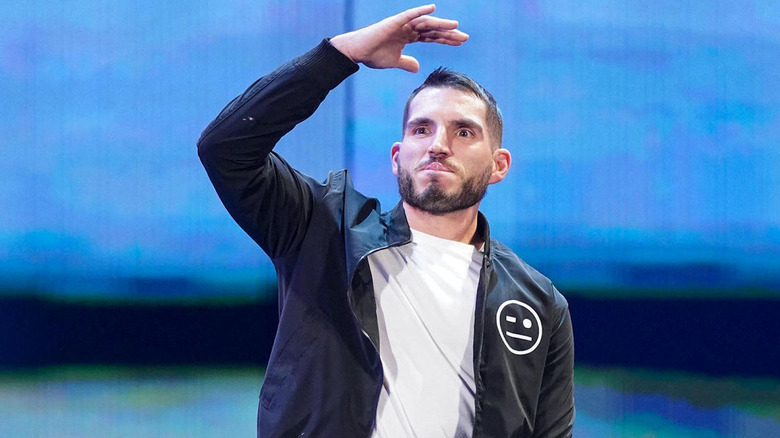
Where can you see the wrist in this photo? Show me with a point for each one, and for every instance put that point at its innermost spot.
(342, 44)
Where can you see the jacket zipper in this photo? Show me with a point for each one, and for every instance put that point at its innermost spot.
(479, 332)
(362, 329)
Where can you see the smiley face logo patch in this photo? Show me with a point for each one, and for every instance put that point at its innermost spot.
(519, 326)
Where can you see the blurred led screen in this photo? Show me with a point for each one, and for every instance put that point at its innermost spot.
(645, 138)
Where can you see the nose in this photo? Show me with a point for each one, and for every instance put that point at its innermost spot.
(440, 145)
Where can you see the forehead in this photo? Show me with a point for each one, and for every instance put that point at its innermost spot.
(447, 104)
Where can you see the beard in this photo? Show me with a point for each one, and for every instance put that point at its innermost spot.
(434, 200)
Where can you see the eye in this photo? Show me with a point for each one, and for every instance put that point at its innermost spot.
(464, 133)
(420, 130)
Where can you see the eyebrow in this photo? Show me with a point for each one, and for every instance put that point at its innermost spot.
(460, 123)
(417, 121)
(467, 123)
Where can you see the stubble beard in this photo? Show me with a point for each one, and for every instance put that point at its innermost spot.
(432, 199)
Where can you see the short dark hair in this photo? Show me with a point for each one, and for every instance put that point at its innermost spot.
(443, 77)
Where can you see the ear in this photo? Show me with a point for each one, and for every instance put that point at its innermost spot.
(502, 160)
(394, 156)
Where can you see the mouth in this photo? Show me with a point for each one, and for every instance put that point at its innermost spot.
(436, 166)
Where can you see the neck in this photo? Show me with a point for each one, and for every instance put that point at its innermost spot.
(460, 226)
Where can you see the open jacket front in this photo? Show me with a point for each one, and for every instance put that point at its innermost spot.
(324, 374)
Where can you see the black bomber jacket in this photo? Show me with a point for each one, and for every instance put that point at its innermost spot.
(324, 374)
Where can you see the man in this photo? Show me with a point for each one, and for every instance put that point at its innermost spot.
(411, 322)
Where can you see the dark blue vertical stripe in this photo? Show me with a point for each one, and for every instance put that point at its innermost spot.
(349, 96)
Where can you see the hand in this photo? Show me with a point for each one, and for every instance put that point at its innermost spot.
(381, 44)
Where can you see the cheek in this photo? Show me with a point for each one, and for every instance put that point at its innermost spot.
(477, 163)
(405, 159)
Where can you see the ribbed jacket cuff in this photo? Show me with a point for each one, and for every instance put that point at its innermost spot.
(326, 65)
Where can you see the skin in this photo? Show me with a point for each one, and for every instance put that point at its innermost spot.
(446, 144)
(446, 148)
(381, 44)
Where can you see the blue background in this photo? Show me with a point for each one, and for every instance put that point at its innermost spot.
(646, 164)
(644, 135)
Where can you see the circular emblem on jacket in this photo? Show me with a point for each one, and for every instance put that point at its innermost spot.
(519, 326)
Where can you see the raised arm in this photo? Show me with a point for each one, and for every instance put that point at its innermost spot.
(267, 198)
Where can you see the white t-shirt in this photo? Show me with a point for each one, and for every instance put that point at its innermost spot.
(425, 297)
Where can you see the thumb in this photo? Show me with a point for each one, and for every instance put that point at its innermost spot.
(409, 64)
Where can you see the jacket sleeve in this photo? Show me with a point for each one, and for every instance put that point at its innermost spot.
(270, 200)
(555, 411)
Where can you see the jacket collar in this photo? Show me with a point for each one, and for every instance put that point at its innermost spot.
(395, 231)
(483, 229)
(398, 230)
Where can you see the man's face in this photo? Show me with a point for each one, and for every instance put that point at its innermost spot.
(445, 161)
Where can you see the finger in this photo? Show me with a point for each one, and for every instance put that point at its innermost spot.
(410, 14)
(455, 36)
(409, 64)
(427, 23)
(441, 41)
